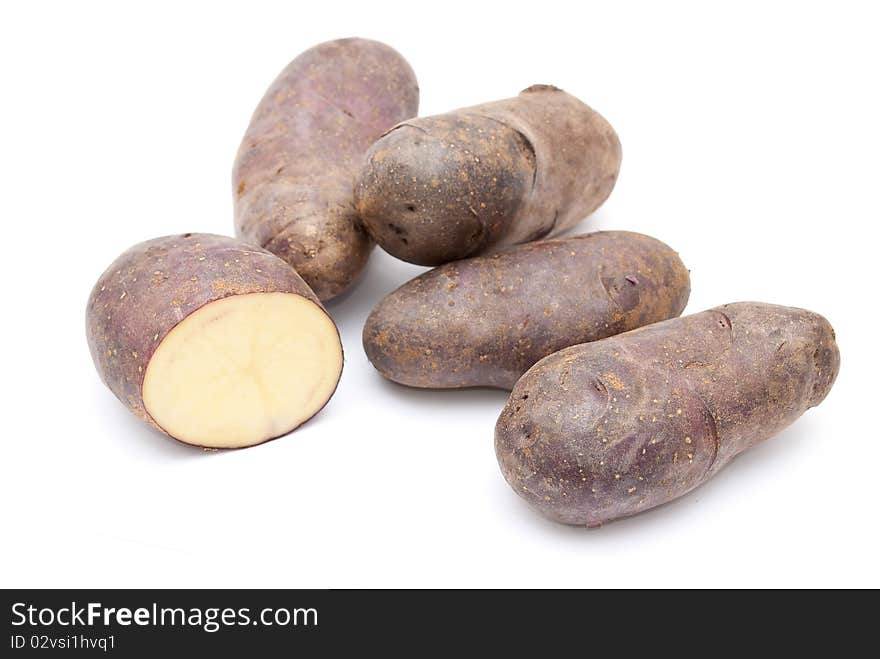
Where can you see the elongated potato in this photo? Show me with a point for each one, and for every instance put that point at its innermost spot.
(484, 321)
(608, 429)
(293, 175)
(443, 188)
(212, 341)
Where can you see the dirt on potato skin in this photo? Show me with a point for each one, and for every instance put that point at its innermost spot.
(442, 188)
(293, 175)
(605, 430)
(485, 321)
(154, 285)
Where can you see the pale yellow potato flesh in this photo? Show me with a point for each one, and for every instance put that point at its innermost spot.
(243, 369)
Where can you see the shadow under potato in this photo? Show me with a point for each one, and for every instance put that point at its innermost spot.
(445, 400)
(139, 439)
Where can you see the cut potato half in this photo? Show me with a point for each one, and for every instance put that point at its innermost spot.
(243, 369)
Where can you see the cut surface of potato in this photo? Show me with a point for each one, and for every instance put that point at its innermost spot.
(243, 369)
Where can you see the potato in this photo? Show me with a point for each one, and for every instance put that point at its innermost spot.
(293, 175)
(214, 342)
(443, 188)
(484, 321)
(603, 430)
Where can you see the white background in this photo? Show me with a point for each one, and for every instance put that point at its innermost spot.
(751, 145)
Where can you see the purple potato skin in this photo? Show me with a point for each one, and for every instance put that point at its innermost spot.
(447, 187)
(293, 175)
(154, 285)
(609, 429)
(485, 321)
